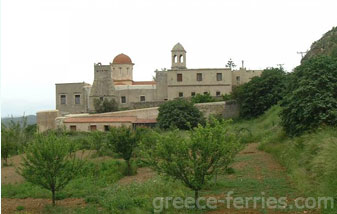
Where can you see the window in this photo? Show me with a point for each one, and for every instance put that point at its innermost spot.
(238, 79)
(205, 93)
(93, 128)
(77, 99)
(101, 98)
(106, 128)
(192, 94)
(219, 76)
(179, 77)
(218, 93)
(181, 59)
(175, 59)
(142, 98)
(181, 94)
(199, 76)
(73, 128)
(123, 99)
(63, 99)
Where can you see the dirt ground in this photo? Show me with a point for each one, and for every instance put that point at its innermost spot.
(35, 205)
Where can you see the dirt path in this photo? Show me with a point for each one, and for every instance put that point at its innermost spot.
(256, 174)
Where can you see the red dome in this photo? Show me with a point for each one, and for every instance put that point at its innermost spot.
(122, 59)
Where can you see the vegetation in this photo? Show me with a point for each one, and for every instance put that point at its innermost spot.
(325, 46)
(124, 141)
(15, 137)
(179, 113)
(105, 105)
(311, 100)
(202, 98)
(50, 163)
(258, 95)
(194, 160)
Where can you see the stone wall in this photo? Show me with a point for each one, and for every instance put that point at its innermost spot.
(225, 109)
(46, 120)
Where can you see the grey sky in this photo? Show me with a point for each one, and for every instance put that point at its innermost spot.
(44, 42)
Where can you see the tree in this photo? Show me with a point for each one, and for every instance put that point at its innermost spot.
(105, 105)
(179, 113)
(194, 160)
(230, 64)
(123, 140)
(202, 98)
(8, 143)
(50, 163)
(311, 99)
(259, 94)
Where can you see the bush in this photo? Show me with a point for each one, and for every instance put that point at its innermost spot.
(105, 105)
(311, 100)
(202, 98)
(179, 113)
(258, 95)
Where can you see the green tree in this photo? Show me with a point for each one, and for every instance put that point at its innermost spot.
(105, 105)
(311, 98)
(194, 160)
(202, 98)
(123, 140)
(8, 143)
(50, 163)
(179, 113)
(259, 94)
(230, 64)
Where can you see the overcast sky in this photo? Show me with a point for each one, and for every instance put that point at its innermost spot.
(44, 42)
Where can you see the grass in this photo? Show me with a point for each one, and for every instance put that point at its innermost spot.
(309, 161)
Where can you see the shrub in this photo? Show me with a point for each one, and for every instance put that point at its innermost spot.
(311, 100)
(258, 95)
(50, 163)
(179, 113)
(202, 98)
(105, 105)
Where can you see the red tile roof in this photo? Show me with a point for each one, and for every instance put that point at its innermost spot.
(145, 121)
(143, 83)
(122, 59)
(107, 119)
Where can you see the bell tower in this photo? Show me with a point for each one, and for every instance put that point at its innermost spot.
(178, 55)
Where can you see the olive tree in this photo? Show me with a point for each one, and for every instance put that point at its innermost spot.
(195, 159)
(50, 163)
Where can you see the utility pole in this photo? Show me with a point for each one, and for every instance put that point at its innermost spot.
(302, 53)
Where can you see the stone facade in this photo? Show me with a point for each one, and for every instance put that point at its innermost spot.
(115, 81)
(145, 116)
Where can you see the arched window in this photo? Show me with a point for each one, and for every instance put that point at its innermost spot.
(175, 59)
(181, 58)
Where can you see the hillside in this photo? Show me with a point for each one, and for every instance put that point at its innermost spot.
(327, 45)
(31, 119)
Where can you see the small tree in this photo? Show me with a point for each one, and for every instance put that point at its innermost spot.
(196, 159)
(105, 105)
(8, 143)
(123, 140)
(230, 64)
(179, 113)
(50, 163)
